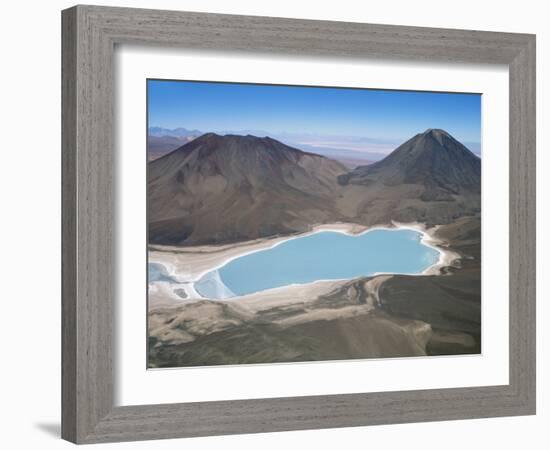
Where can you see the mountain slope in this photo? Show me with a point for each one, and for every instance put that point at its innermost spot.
(158, 146)
(220, 189)
(432, 178)
(228, 188)
(433, 159)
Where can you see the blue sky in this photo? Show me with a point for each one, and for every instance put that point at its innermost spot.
(378, 115)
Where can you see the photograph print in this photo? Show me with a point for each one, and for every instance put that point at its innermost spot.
(307, 223)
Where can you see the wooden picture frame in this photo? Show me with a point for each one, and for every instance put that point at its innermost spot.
(90, 34)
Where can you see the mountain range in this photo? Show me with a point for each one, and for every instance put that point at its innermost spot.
(174, 132)
(226, 188)
(350, 150)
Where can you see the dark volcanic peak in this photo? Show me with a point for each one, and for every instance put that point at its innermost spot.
(240, 146)
(436, 132)
(441, 136)
(236, 138)
(231, 187)
(433, 159)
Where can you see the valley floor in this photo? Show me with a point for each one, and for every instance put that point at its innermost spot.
(379, 316)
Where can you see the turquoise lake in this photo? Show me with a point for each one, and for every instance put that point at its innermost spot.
(325, 255)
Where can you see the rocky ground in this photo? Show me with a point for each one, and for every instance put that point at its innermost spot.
(371, 317)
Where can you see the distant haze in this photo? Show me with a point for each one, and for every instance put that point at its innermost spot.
(351, 151)
(342, 123)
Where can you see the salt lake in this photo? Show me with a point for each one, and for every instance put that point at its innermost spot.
(324, 255)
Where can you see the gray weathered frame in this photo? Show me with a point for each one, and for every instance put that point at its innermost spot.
(89, 36)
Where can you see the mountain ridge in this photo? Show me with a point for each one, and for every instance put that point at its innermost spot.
(179, 132)
(229, 188)
(225, 137)
(433, 159)
(226, 188)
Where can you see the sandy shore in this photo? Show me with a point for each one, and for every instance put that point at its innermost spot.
(187, 265)
(376, 316)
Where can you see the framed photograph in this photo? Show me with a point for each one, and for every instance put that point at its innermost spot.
(285, 204)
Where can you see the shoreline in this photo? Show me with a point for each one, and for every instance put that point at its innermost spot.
(211, 258)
